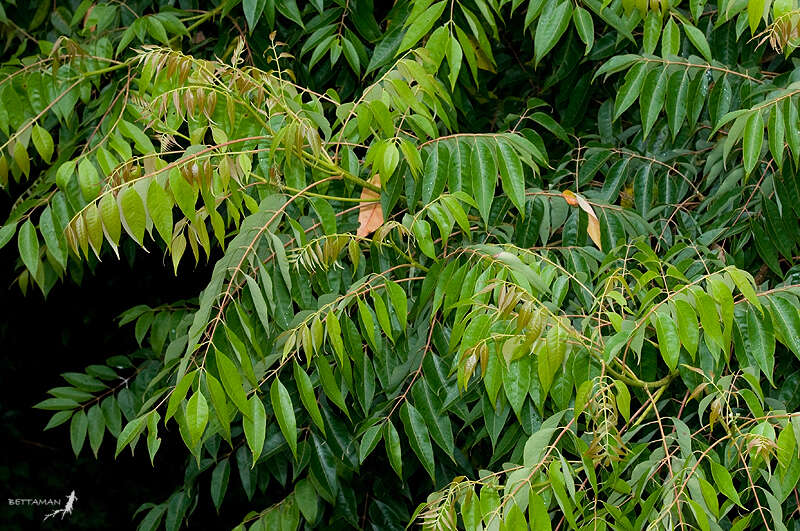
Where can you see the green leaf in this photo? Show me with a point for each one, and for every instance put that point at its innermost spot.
(484, 177)
(422, 232)
(677, 98)
(130, 432)
(252, 12)
(652, 31)
(393, 450)
(134, 215)
(652, 99)
(786, 321)
(698, 38)
(512, 175)
(196, 416)
(220, 404)
(219, 482)
(232, 382)
(307, 500)
(160, 208)
(96, 427)
(631, 89)
(284, 413)
(369, 441)
(668, 342)
(671, 40)
(755, 12)
(753, 139)
(28, 244)
(7, 232)
(184, 193)
(552, 356)
(552, 24)
(399, 301)
(22, 159)
(418, 437)
(744, 281)
(77, 431)
(140, 140)
(776, 134)
(724, 483)
(688, 329)
(420, 25)
(433, 178)
(259, 302)
(109, 214)
(280, 257)
(585, 27)
(759, 341)
(88, 179)
(709, 319)
(787, 448)
(454, 58)
(43, 142)
(329, 385)
(178, 394)
(255, 425)
(307, 396)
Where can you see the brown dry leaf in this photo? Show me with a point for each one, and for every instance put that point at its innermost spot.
(370, 215)
(593, 228)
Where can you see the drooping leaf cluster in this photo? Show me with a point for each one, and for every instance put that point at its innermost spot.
(479, 264)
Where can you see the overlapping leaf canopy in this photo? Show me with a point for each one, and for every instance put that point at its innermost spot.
(479, 264)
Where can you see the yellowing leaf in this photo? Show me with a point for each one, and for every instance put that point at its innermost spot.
(370, 215)
(593, 228)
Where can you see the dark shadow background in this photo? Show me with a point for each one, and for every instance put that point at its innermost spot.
(75, 327)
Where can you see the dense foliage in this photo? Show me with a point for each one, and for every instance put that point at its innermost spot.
(476, 263)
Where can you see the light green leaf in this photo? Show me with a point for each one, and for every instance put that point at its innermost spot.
(135, 218)
(420, 25)
(422, 232)
(28, 244)
(668, 342)
(652, 31)
(630, 90)
(552, 356)
(585, 27)
(196, 416)
(698, 38)
(178, 394)
(131, 430)
(109, 213)
(43, 142)
(232, 382)
(284, 413)
(160, 208)
(88, 179)
(255, 426)
(753, 139)
(688, 329)
(724, 482)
